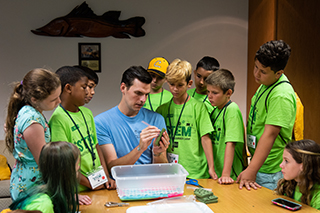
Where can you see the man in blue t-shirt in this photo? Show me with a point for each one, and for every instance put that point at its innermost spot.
(126, 132)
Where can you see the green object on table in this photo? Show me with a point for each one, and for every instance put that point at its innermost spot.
(205, 196)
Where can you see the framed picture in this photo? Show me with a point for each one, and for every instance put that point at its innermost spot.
(90, 56)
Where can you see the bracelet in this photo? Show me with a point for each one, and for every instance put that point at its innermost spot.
(157, 155)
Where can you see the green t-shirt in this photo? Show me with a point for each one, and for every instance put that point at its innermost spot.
(194, 123)
(40, 202)
(227, 127)
(203, 98)
(281, 106)
(155, 100)
(63, 129)
(315, 200)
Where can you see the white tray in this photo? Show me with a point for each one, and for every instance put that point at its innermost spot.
(190, 207)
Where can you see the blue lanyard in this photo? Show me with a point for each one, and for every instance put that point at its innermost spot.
(93, 155)
(175, 131)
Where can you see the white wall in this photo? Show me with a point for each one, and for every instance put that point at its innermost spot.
(181, 29)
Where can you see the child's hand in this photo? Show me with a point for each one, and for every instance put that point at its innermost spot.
(111, 184)
(213, 174)
(84, 200)
(247, 178)
(225, 180)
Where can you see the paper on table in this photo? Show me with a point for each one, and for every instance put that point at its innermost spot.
(191, 207)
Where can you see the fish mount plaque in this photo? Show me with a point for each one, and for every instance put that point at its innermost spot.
(82, 21)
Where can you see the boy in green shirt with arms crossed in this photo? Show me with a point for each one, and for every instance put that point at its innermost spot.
(204, 68)
(228, 129)
(158, 95)
(271, 118)
(187, 122)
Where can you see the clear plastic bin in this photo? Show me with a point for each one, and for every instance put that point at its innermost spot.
(149, 181)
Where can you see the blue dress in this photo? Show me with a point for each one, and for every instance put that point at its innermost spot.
(25, 171)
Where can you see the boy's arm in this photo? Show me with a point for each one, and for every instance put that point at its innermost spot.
(111, 183)
(207, 147)
(248, 176)
(227, 165)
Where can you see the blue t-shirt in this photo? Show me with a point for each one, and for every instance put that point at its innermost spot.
(123, 132)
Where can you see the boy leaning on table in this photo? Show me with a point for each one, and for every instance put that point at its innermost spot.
(228, 129)
(271, 118)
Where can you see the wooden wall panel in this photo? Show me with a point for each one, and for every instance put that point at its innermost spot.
(298, 25)
(261, 29)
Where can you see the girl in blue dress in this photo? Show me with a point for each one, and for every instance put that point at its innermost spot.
(27, 130)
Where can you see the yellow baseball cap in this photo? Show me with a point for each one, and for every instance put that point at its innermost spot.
(158, 65)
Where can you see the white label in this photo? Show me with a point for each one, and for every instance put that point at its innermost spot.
(251, 141)
(173, 158)
(97, 178)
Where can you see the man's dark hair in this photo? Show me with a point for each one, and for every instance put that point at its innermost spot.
(136, 72)
(69, 75)
(274, 54)
(208, 63)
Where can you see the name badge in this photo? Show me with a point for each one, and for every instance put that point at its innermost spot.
(251, 141)
(173, 158)
(97, 177)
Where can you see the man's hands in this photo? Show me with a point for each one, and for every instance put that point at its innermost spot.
(163, 144)
(147, 135)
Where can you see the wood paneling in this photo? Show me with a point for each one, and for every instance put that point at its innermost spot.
(261, 30)
(297, 23)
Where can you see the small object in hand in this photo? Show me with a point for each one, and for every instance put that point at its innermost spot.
(115, 204)
(159, 137)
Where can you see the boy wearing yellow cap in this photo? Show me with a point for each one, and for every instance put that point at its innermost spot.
(158, 95)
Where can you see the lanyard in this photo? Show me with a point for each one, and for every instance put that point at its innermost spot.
(150, 100)
(84, 140)
(224, 107)
(175, 131)
(257, 99)
(203, 99)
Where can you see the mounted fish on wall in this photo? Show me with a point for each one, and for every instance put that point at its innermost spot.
(82, 21)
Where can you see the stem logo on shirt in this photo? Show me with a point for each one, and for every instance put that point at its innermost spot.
(182, 131)
(215, 136)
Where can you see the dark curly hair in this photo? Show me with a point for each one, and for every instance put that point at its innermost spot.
(274, 54)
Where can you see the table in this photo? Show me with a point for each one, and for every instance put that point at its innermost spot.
(231, 199)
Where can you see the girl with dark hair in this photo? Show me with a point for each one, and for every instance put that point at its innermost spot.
(27, 130)
(58, 188)
(300, 168)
